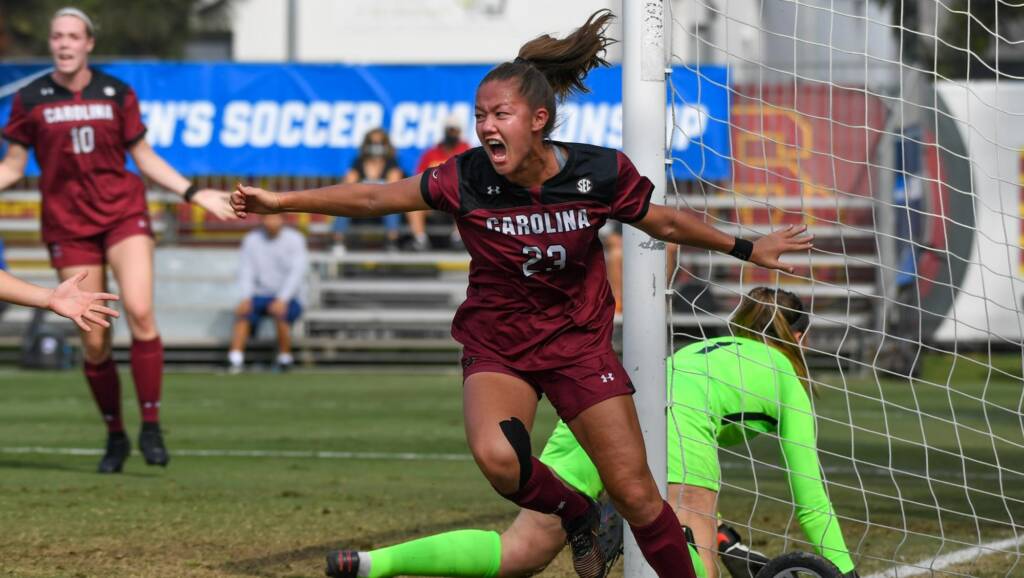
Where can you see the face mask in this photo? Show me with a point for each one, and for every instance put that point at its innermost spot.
(376, 149)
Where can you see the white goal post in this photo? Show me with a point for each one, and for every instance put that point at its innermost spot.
(645, 332)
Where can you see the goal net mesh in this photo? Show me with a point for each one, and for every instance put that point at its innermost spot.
(894, 131)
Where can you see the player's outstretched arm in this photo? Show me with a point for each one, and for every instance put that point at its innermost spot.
(83, 307)
(684, 228)
(154, 167)
(12, 167)
(343, 200)
(814, 509)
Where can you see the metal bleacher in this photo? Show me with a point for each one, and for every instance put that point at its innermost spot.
(372, 306)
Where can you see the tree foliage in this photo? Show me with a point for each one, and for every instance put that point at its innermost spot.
(124, 28)
(965, 45)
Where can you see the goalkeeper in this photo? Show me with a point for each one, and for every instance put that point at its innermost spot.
(723, 391)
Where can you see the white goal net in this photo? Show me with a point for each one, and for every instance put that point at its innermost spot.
(894, 129)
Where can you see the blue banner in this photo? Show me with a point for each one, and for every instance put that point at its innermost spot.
(309, 119)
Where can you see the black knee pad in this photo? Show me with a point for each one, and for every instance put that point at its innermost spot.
(517, 436)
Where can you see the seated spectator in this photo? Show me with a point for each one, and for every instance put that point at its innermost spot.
(271, 274)
(451, 145)
(376, 163)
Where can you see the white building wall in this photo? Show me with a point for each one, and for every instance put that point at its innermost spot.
(756, 39)
(259, 30)
(846, 42)
(405, 31)
(726, 33)
(745, 35)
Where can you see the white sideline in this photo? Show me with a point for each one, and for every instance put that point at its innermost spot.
(322, 455)
(931, 565)
(398, 456)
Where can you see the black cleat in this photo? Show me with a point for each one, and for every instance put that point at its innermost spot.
(118, 449)
(739, 560)
(151, 442)
(342, 564)
(581, 535)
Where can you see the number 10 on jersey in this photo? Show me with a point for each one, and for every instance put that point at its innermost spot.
(535, 262)
(83, 139)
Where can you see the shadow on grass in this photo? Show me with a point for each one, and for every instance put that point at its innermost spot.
(272, 565)
(76, 468)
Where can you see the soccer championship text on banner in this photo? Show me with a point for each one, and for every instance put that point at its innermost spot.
(308, 120)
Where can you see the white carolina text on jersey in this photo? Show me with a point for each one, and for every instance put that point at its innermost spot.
(540, 223)
(76, 112)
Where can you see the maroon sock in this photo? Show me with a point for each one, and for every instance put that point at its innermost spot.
(105, 386)
(664, 545)
(545, 493)
(148, 373)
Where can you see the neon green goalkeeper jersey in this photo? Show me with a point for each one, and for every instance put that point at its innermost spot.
(723, 392)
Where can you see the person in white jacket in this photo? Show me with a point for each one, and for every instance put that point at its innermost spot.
(271, 275)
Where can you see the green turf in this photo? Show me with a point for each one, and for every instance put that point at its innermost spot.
(263, 516)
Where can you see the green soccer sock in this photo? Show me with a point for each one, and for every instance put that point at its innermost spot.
(458, 553)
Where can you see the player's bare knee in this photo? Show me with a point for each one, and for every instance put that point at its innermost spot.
(141, 320)
(519, 439)
(528, 553)
(498, 463)
(139, 314)
(637, 500)
(505, 460)
(95, 349)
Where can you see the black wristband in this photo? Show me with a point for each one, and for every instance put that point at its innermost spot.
(742, 249)
(190, 192)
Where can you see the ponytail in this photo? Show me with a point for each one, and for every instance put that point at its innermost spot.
(771, 316)
(550, 69)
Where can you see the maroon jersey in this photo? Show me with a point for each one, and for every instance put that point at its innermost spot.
(80, 141)
(538, 294)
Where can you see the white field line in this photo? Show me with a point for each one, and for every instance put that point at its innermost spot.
(405, 456)
(321, 455)
(931, 565)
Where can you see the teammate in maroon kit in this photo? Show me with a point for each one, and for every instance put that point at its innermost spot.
(81, 123)
(538, 315)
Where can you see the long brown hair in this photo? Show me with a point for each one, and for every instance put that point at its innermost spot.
(769, 315)
(549, 69)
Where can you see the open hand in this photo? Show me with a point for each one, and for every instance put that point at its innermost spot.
(82, 307)
(769, 248)
(245, 200)
(218, 203)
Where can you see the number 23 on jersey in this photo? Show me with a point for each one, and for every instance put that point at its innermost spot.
(540, 261)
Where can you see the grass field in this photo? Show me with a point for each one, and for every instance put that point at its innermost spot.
(272, 509)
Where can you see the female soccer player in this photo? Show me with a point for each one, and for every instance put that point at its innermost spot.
(724, 391)
(81, 123)
(67, 300)
(538, 316)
